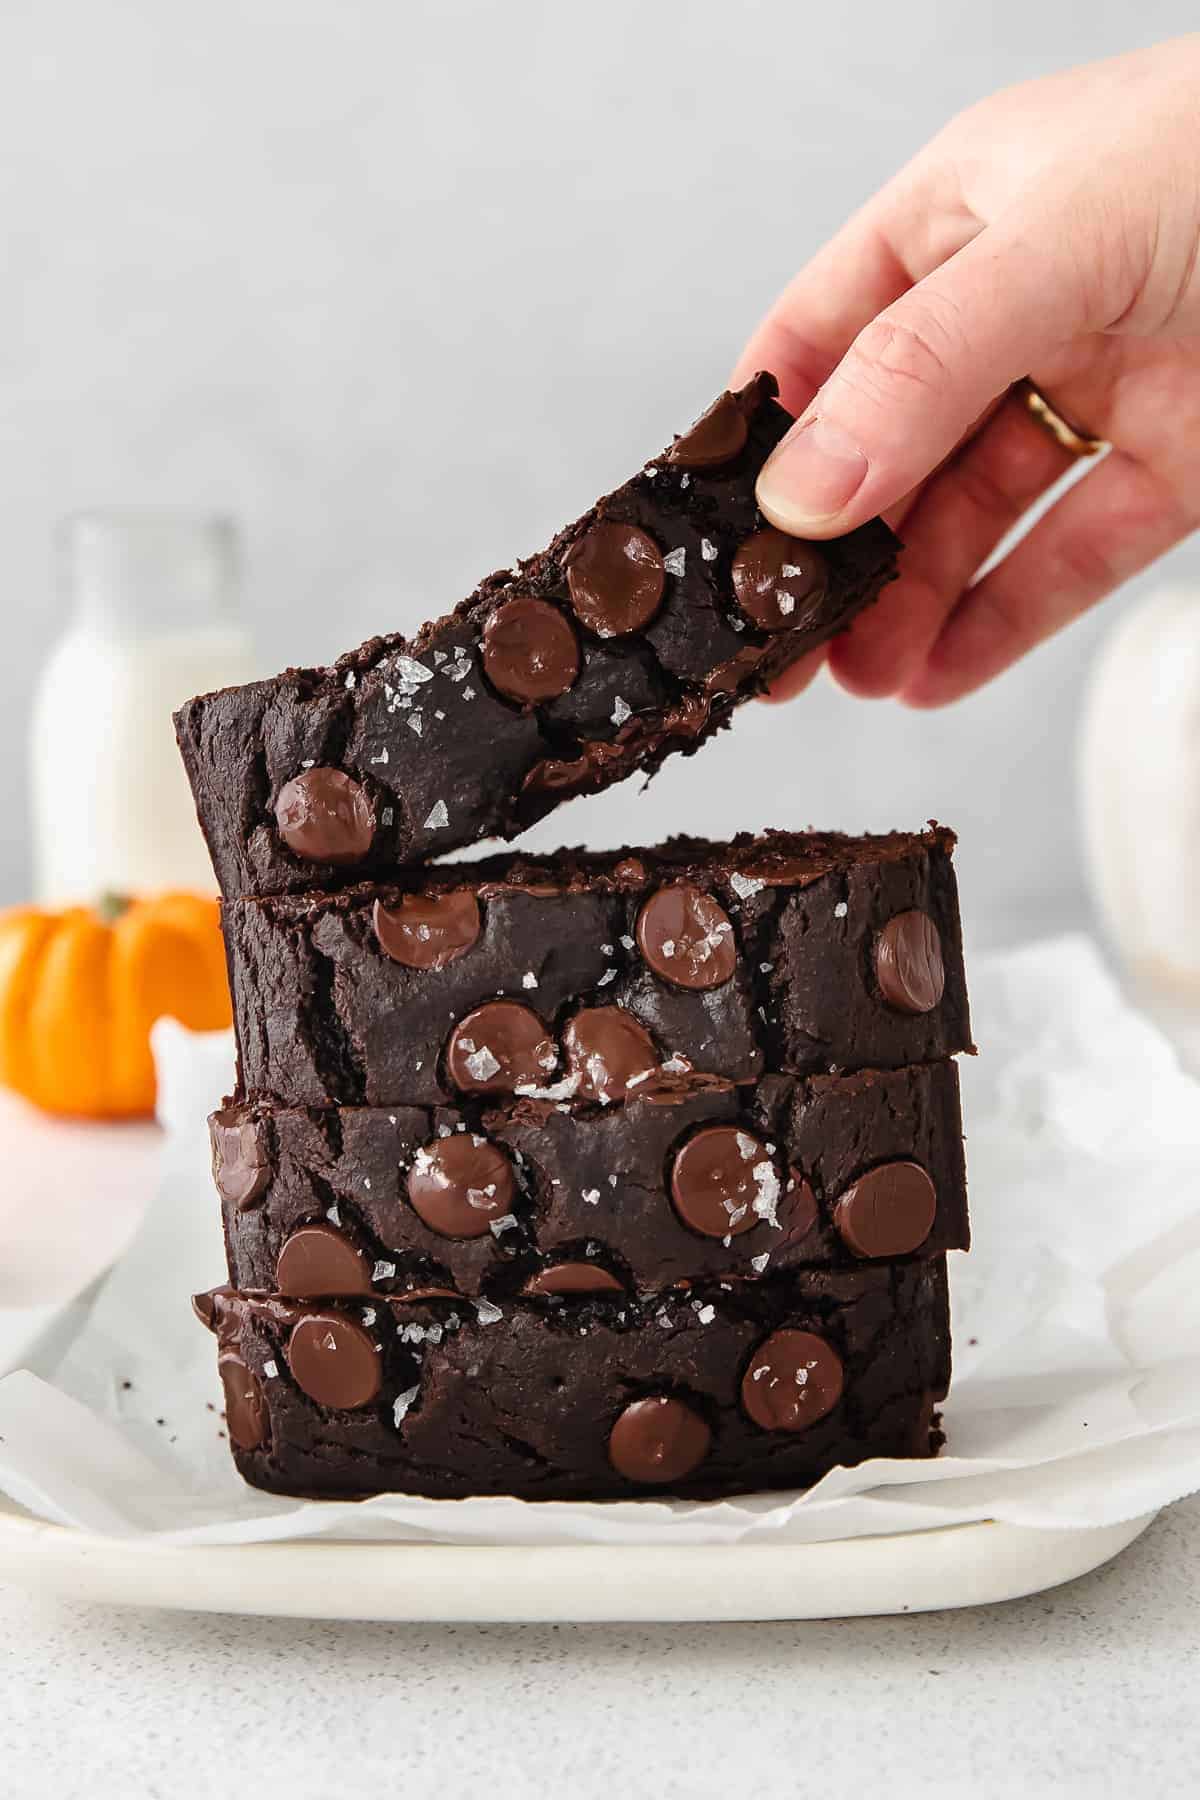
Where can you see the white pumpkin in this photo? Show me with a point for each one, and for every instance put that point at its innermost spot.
(1140, 790)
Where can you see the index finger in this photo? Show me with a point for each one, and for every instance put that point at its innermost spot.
(907, 229)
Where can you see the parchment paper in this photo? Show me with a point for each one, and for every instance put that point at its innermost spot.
(1076, 1399)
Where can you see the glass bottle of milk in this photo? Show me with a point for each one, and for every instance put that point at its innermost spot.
(154, 620)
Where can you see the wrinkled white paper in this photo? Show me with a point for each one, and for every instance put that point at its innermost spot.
(1077, 1338)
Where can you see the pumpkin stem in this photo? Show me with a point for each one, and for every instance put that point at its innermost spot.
(110, 906)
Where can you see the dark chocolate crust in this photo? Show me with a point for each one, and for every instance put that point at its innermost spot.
(445, 759)
(522, 1399)
(325, 1017)
(594, 1185)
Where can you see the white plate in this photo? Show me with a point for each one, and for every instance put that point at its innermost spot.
(922, 1571)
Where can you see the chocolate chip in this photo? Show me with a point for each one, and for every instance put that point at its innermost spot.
(245, 1407)
(573, 1278)
(658, 1440)
(241, 1162)
(607, 1050)
(717, 437)
(723, 1182)
(908, 962)
(318, 1262)
(779, 580)
(428, 931)
(798, 1210)
(325, 816)
(459, 1184)
(615, 577)
(500, 1046)
(793, 1379)
(205, 1308)
(889, 1211)
(334, 1360)
(530, 652)
(686, 937)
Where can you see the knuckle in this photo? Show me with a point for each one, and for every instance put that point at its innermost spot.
(909, 350)
(987, 494)
(1086, 564)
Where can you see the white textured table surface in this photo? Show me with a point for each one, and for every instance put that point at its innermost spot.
(1090, 1690)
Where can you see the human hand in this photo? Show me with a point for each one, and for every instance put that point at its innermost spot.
(1052, 231)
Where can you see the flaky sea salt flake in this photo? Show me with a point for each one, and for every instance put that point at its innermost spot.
(766, 1200)
(438, 818)
(403, 1402)
(482, 1065)
(675, 561)
(745, 885)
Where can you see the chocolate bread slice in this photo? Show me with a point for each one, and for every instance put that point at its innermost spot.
(717, 1390)
(633, 636)
(801, 953)
(690, 1180)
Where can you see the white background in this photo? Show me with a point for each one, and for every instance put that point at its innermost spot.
(406, 284)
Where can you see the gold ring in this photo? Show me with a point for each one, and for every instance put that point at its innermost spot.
(1072, 440)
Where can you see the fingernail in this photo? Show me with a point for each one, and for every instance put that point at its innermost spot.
(811, 476)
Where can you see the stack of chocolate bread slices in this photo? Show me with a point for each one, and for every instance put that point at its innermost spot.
(591, 1175)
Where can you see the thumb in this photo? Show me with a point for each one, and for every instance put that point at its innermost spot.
(916, 379)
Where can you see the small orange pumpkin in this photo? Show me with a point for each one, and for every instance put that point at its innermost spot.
(79, 991)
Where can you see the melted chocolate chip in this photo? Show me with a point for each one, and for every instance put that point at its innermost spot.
(607, 1050)
(334, 1360)
(499, 1047)
(717, 437)
(325, 816)
(686, 937)
(205, 1308)
(658, 1440)
(615, 578)
(318, 1262)
(723, 1182)
(572, 1278)
(779, 580)
(530, 652)
(793, 1379)
(241, 1162)
(428, 931)
(459, 1184)
(908, 963)
(245, 1406)
(889, 1211)
(798, 1211)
